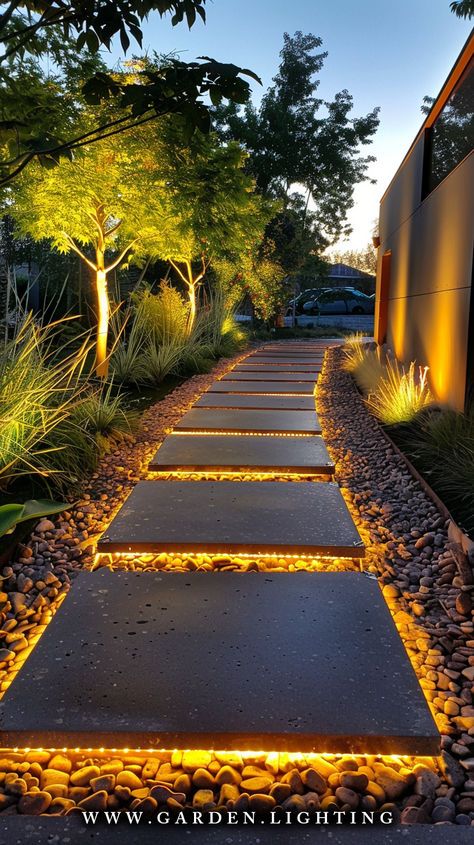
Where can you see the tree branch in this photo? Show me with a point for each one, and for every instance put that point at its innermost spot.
(26, 160)
(75, 141)
(180, 274)
(74, 246)
(5, 17)
(121, 257)
(113, 228)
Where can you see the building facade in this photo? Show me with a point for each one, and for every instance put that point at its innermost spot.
(424, 290)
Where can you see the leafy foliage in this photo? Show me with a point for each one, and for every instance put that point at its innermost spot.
(210, 210)
(106, 199)
(256, 275)
(33, 123)
(463, 8)
(12, 515)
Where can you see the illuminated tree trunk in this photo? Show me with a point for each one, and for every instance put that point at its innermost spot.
(103, 314)
(100, 276)
(103, 307)
(191, 285)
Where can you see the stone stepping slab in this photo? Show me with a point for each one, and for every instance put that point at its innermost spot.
(43, 830)
(256, 401)
(295, 347)
(303, 387)
(280, 359)
(250, 367)
(225, 517)
(268, 375)
(288, 354)
(264, 422)
(241, 453)
(279, 662)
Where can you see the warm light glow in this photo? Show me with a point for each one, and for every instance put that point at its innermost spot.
(400, 394)
(180, 432)
(103, 316)
(292, 756)
(236, 475)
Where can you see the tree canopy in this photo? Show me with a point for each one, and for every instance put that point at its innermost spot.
(93, 205)
(463, 8)
(210, 208)
(304, 149)
(31, 124)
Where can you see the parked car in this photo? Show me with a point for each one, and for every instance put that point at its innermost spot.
(305, 296)
(340, 301)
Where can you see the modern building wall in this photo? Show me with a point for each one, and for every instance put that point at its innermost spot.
(430, 286)
(424, 297)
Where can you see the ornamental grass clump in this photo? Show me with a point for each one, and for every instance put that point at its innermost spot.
(440, 444)
(101, 415)
(40, 385)
(400, 394)
(54, 424)
(366, 364)
(163, 316)
(222, 333)
(129, 343)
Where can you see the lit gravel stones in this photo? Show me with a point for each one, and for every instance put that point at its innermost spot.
(174, 780)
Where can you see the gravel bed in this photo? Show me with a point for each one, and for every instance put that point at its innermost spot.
(224, 563)
(426, 579)
(56, 783)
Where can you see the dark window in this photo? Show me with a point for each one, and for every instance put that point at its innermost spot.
(451, 138)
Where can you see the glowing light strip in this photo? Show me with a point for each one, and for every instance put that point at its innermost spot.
(250, 474)
(246, 754)
(316, 558)
(210, 433)
(254, 393)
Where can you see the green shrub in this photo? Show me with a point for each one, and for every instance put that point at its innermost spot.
(194, 359)
(162, 316)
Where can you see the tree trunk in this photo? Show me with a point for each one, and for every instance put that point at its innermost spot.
(192, 284)
(103, 314)
(192, 307)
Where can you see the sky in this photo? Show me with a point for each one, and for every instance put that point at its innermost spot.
(387, 53)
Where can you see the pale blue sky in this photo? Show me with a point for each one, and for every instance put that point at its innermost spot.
(387, 53)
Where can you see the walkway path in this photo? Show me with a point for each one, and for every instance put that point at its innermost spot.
(273, 661)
